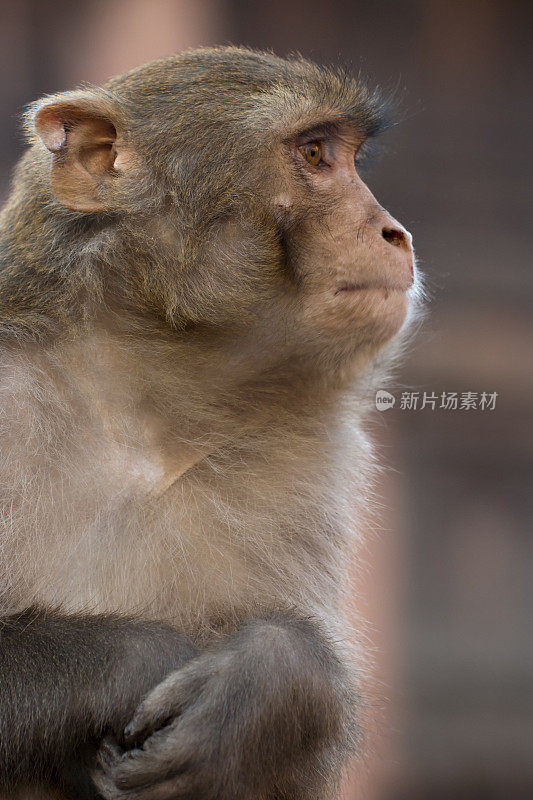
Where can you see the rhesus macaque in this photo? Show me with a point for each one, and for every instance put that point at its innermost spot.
(198, 295)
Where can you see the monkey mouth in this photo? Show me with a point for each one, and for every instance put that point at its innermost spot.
(366, 287)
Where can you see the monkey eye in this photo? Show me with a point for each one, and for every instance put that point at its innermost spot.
(312, 152)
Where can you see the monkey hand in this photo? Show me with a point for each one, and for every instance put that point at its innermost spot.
(252, 718)
(178, 744)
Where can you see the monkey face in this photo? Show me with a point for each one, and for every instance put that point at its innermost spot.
(316, 258)
(353, 262)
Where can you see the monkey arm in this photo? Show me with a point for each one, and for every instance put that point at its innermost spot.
(267, 713)
(65, 680)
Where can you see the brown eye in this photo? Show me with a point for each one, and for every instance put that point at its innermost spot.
(312, 152)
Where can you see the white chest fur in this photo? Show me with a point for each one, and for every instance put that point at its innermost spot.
(98, 515)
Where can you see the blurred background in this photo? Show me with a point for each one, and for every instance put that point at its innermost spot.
(447, 583)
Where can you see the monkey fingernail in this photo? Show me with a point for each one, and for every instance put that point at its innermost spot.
(129, 734)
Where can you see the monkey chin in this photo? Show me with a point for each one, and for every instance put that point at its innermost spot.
(376, 314)
(360, 316)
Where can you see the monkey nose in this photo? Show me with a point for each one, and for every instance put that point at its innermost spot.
(397, 236)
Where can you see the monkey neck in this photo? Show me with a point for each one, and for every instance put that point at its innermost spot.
(160, 407)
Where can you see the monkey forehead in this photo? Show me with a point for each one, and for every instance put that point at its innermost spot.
(228, 89)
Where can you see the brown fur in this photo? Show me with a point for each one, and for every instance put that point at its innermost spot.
(183, 397)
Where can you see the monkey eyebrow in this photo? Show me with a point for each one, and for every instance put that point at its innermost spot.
(324, 130)
(330, 130)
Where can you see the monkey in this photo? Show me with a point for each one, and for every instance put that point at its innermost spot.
(198, 297)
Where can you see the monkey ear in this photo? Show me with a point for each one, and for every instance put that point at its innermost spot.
(82, 131)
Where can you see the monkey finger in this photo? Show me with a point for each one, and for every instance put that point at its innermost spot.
(171, 765)
(181, 788)
(165, 754)
(104, 784)
(164, 789)
(109, 752)
(163, 704)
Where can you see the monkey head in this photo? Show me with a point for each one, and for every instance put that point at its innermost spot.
(227, 181)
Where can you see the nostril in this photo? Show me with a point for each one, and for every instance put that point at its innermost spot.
(394, 236)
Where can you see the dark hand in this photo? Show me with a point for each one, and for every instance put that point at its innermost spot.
(176, 745)
(259, 717)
